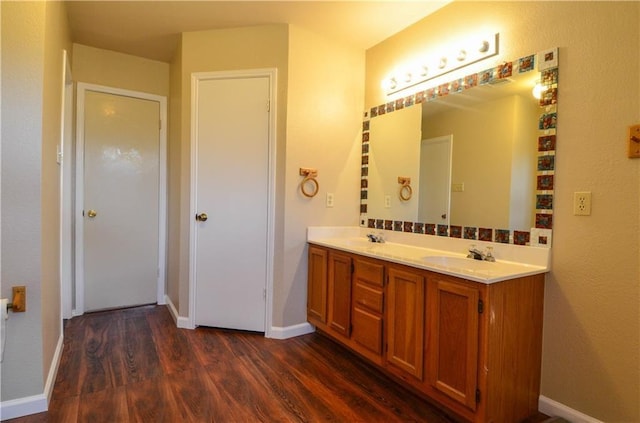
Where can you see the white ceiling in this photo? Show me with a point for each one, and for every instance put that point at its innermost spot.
(150, 28)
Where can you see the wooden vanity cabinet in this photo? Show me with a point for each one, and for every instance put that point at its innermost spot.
(473, 348)
(317, 285)
(454, 311)
(368, 308)
(405, 321)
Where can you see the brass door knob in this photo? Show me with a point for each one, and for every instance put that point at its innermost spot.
(92, 213)
(202, 217)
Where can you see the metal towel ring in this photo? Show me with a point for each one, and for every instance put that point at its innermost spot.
(406, 192)
(309, 177)
(314, 191)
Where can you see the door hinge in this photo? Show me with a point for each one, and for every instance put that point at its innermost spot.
(264, 294)
(477, 395)
(268, 105)
(480, 306)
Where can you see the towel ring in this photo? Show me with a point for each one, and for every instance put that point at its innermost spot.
(309, 177)
(314, 191)
(406, 192)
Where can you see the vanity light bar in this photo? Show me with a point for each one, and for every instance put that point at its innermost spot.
(466, 54)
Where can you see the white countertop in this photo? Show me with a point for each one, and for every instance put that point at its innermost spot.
(438, 254)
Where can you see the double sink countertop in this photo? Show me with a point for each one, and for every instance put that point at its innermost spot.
(438, 254)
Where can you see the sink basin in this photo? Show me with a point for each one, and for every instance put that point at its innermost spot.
(358, 242)
(458, 263)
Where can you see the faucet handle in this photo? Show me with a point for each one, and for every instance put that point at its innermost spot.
(488, 256)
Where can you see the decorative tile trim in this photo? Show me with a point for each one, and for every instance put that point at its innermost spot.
(546, 152)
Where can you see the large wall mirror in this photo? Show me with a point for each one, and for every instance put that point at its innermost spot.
(473, 158)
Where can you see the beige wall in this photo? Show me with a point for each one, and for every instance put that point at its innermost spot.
(33, 37)
(174, 163)
(324, 121)
(394, 150)
(23, 28)
(318, 123)
(591, 351)
(104, 67)
(56, 39)
(223, 50)
(485, 200)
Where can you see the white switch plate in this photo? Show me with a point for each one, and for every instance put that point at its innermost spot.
(457, 187)
(329, 199)
(582, 203)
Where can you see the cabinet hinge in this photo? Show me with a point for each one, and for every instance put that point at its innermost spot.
(477, 395)
(480, 306)
(386, 348)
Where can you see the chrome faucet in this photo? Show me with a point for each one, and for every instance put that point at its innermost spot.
(375, 238)
(476, 254)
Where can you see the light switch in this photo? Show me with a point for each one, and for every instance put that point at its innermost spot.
(329, 199)
(457, 187)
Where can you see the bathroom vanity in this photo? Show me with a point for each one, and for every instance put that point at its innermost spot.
(465, 334)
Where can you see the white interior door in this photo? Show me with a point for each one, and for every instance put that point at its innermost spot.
(435, 180)
(232, 189)
(120, 187)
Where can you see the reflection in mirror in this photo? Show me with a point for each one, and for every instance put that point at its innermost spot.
(472, 157)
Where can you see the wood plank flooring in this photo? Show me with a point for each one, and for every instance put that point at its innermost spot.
(134, 365)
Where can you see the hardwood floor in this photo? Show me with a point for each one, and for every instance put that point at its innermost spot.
(134, 365)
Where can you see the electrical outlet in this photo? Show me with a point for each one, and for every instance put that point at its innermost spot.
(582, 203)
(387, 201)
(329, 199)
(457, 187)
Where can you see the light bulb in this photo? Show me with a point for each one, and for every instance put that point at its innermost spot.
(537, 90)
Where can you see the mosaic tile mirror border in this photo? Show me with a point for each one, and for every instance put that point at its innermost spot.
(546, 148)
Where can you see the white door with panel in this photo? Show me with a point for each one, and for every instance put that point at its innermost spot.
(120, 192)
(435, 180)
(231, 202)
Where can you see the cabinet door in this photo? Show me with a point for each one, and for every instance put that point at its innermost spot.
(317, 285)
(453, 324)
(367, 330)
(340, 293)
(405, 328)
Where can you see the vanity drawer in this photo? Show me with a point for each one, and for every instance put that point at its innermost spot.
(370, 272)
(367, 297)
(367, 331)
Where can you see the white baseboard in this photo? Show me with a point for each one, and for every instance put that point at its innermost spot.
(25, 406)
(556, 409)
(181, 322)
(290, 331)
(53, 370)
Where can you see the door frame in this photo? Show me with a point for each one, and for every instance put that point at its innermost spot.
(66, 161)
(448, 140)
(82, 88)
(271, 74)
